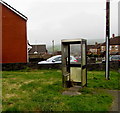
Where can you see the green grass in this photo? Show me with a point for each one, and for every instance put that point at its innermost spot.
(96, 79)
(40, 90)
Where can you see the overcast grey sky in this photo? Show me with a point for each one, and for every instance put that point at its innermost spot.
(65, 19)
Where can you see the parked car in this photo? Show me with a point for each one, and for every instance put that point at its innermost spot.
(113, 58)
(57, 60)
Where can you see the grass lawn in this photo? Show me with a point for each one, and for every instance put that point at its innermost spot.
(40, 90)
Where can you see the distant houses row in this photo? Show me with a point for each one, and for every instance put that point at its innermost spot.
(14, 47)
(100, 49)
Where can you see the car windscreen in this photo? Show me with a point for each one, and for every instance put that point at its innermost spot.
(57, 59)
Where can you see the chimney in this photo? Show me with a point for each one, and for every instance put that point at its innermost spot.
(96, 43)
(113, 35)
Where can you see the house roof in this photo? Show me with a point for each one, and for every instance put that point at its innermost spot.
(38, 48)
(90, 46)
(113, 41)
(13, 9)
(96, 46)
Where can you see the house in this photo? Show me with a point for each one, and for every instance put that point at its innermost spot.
(57, 52)
(13, 31)
(37, 52)
(93, 49)
(89, 48)
(29, 47)
(114, 46)
(38, 49)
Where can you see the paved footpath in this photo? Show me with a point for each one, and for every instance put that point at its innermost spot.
(115, 107)
(116, 101)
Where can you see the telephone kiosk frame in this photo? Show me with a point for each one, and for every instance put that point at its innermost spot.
(74, 74)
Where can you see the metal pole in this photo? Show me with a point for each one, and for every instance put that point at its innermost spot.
(107, 37)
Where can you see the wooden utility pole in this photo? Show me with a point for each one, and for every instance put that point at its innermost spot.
(119, 18)
(107, 38)
(53, 46)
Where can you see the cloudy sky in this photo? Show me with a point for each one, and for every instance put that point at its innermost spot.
(66, 19)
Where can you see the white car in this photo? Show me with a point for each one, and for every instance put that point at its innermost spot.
(56, 60)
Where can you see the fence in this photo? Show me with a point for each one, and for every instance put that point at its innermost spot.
(90, 66)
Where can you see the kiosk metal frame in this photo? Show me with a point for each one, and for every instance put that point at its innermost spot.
(74, 73)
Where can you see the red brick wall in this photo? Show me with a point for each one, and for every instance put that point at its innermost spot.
(14, 37)
(0, 33)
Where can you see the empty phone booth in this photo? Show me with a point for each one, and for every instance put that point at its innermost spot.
(74, 62)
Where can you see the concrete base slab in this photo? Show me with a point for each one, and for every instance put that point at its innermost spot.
(72, 91)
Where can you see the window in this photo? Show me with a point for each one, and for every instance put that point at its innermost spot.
(110, 47)
(58, 59)
(116, 47)
(102, 48)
